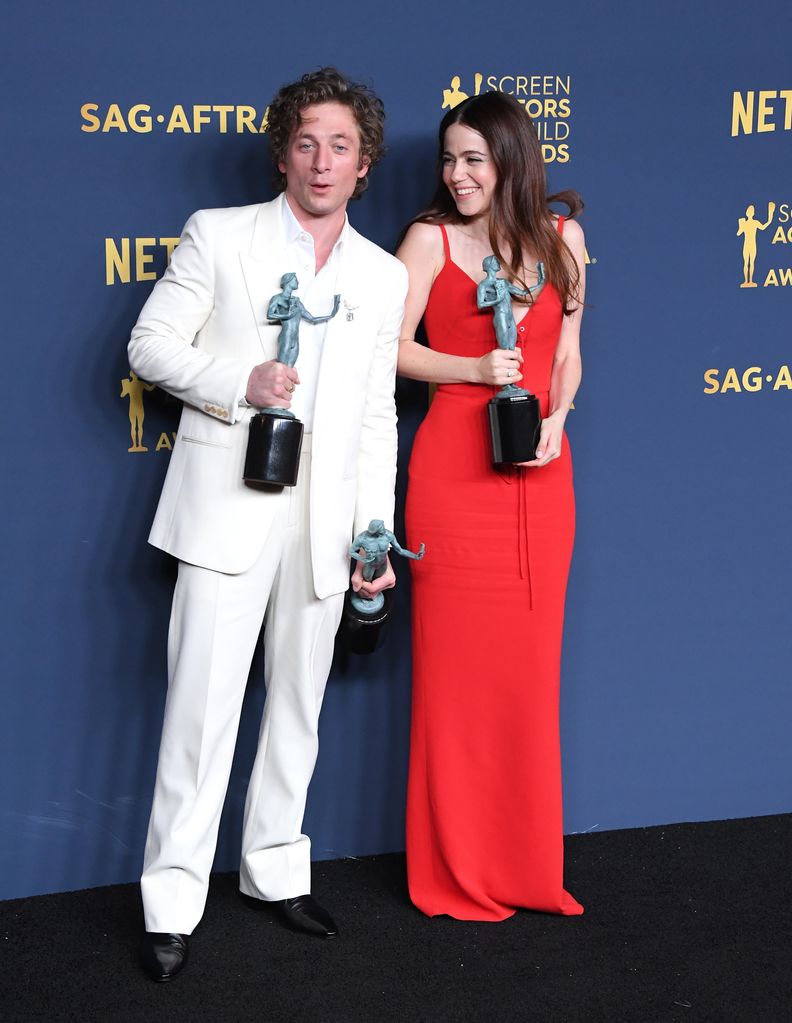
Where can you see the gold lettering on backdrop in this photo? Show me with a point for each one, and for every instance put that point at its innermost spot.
(117, 263)
(140, 119)
(223, 110)
(169, 244)
(751, 380)
(781, 277)
(114, 119)
(784, 379)
(118, 258)
(246, 119)
(178, 120)
(761, 111)
(201, 115)
(764, 111)
(132, 387)
(88, 114)
(165, 443)
(143, 258)
(731, 381)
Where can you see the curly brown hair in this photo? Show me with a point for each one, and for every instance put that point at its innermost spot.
(327, 85)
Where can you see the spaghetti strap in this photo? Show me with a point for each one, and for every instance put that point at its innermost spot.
(560, 224)
(446, 246)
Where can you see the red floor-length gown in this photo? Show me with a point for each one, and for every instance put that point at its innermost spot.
(484, 817)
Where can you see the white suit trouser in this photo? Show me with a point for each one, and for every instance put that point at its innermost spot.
(215, 623)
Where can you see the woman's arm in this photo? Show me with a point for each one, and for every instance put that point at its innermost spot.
(422, 254)
(566, 372)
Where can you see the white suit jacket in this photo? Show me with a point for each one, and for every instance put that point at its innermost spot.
(200, 334)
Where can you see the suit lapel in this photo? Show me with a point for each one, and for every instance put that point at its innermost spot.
(262, 269)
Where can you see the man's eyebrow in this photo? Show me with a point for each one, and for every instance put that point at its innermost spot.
(306, 134)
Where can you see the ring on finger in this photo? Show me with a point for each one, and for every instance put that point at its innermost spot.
(509, 373)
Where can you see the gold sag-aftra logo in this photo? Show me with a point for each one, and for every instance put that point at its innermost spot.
(766, 233)
(546, 98)
(775, 227)
(179, 119)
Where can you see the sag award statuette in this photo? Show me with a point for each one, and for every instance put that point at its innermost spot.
(514, 415)
(364, 620)
(275, 438)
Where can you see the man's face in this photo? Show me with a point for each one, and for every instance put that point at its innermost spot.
(322, 164)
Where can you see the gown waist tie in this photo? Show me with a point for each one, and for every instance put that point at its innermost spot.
(512, 474)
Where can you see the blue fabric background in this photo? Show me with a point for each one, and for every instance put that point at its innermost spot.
(676, 698)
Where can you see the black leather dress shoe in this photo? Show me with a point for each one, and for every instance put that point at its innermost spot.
(303, 913)
(162, 956)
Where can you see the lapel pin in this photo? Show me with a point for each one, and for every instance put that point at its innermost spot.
(350, 310)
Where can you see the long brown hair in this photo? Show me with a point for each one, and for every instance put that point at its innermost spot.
(519, 214)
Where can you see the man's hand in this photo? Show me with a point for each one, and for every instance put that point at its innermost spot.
(369, 590)
(271, 384)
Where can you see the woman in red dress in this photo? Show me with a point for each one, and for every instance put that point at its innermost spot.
(484, 820)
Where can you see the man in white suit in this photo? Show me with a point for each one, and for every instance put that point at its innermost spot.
(245, 555)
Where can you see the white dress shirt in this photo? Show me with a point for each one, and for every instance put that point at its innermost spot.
(316, 292)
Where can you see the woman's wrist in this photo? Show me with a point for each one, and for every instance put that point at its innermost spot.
(472, 366)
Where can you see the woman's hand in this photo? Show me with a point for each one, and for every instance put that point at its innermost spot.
(498, 367)
(550, 438)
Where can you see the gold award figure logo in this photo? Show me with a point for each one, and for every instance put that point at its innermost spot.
(748, 226)
(132, 387)
(453, 96)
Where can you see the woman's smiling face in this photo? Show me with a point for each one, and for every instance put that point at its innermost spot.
(469, 171)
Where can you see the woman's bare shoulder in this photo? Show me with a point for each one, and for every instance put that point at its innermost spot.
(573, 232)
(424, 238)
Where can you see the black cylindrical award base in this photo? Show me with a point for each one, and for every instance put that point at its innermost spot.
(273, 451)
(362, 633)
(515, 422)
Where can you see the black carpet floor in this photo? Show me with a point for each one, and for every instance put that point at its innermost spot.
(683, 923)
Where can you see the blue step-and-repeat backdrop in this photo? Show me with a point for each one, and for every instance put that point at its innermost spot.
(675, 123)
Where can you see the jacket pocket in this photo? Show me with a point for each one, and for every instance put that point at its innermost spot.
(203, 441)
